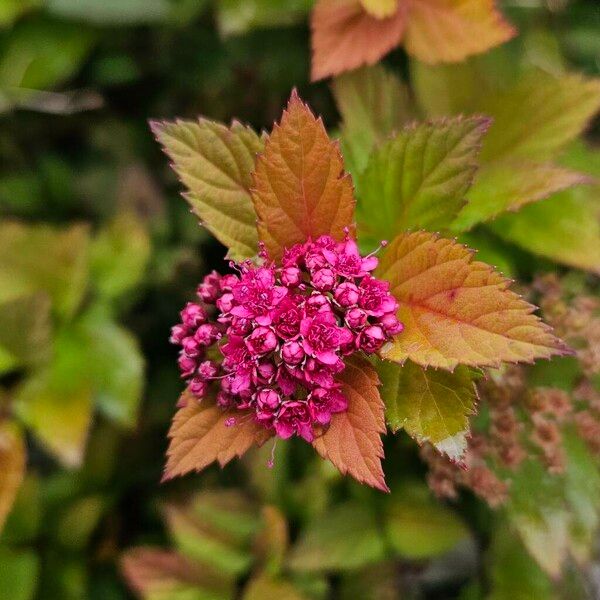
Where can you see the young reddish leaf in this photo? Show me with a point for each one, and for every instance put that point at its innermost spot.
(450, 30)
(199, 436)
(456, 310)
(215, 163)
(301, 190)
(431, 405)
(380, 8)
(153, 572)
(353, 441)
(508, 185)
(345, 36)
(419, 178)
(12, 466)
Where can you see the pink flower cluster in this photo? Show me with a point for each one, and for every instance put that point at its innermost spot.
(282, 333)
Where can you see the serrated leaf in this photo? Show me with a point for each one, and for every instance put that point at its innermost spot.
(419, 178)
(215, 163)
(430, 405)
(25, 329)
(456, 310)
(380, 8)
(345, 36)
(300, 188)
(156, 574)
(449, 31)
(373, 103)
(564, 228)
(199, 436)
(44, 259)
(353, 441)
(537, 117)
(119, 255)
(419, 526)
(346, 537)
(509, 185)
(12, 466)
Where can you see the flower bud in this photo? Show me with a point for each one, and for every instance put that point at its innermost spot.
(391, 324)
(207, 334)
(191, 347)
(198, 387)
(291, 276)
(192, 315)
(323, 280)
(356, 318)
(292, 353)
(207, 370)
(187, 365)
(225, 302)
(346, 294)
(227, 282)
(178, 332)
(261, 341)
(371, 338)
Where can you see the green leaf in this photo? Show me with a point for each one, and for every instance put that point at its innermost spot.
(116, 366)
(419, 178)
(39, 258)
(11, 10)
(346, 537)
(374, 104)
(215, 163)
(267, 588)
(509, 185)
(25, 329)
(41, 54)
(539, 116)
(119, 256)
(419, 526)
(430, 405)
(564, 228)
(238, 16)
(514, 574)
(19, 572)
(78, 522)
(56, 401)
(214, 528)
(111, 12)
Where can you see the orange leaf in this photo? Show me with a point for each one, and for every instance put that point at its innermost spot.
(345, 36)
(12, 466)
(353, 441)
(450, 30)
(199, 436)
(301, 189)
(456, 310)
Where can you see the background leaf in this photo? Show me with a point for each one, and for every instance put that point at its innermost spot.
(12, 466)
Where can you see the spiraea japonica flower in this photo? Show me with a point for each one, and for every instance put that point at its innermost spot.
(299, 340)
(283, 334)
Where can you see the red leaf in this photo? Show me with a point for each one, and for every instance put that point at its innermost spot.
(199, 436)
(345, 36)
(353, 441)
(301, 189)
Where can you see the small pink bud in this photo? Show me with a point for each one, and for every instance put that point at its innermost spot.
(391, 324)
(292, 353)
(323, 280)
(291, 276)
(193, 315)
(261, 341)
(268, 399)
(346, 294)
(198, 387)
(207, 370)
(225, 303)
(317, 303)
(207, 334)
(356, 318)
(191, 347)
(371, 338)
(227, 282)
(178, 332)
(230, 422)
(187, 365)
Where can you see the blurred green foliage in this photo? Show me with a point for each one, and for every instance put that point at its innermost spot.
(98, 253)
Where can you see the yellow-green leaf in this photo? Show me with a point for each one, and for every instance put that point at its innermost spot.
(300, 188)
(456, 310)
(419, 178)
(12, 466)
(215, 163)
(509, 185)
(537, 117)
(40, 258)
(264, 587)
(430, 405)
(380, 8)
